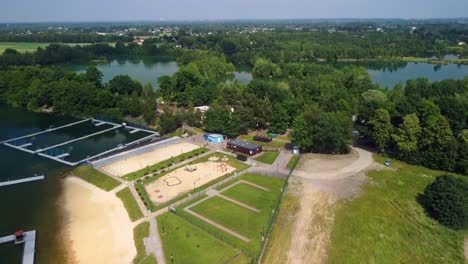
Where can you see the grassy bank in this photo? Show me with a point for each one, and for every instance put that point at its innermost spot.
(139, 232)
(95, 177)
(130, 204)
(292, 161)
(30, 46)
(385, 222)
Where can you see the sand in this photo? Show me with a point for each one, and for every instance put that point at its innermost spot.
(181, 181)
(97, 224)
(134, 163)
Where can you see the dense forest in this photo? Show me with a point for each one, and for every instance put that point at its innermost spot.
(328, 108)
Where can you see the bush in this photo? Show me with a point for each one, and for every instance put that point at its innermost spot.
(446, 200)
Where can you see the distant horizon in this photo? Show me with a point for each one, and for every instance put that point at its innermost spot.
(30, 11)
(235, 19)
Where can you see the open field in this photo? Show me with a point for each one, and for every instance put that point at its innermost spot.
(189, 244)
(32, 46)
(140, 186)
(140, 232)
(248, 214)
(138, 162)
(97, 224)
(95, 177)
(268, 157)
(164, 164)
(181, 180)
(130, 204)
(386, 222)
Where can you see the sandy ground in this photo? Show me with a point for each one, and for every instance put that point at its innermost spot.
(320, 181)
(466, 249)
(97, 224)
(134, 163)
(181, 181)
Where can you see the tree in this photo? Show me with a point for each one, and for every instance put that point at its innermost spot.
(123, 84)
(221, 120)
(407, 136)
(94, 75)
(381, 128)
(446, 201)
(332, 133)
(301, 134)
(278, 120)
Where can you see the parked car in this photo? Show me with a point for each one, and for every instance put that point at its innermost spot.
(387, 162)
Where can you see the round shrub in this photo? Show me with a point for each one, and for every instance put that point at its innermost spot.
(446, 200)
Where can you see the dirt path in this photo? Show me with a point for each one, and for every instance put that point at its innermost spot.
(319, 182)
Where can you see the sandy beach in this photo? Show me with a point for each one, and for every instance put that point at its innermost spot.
(97, 224)
(134, 163)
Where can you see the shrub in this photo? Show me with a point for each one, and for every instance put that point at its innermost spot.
(446, 200)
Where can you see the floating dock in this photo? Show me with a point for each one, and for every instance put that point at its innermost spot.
(29, 245)
(60, 157)
(30, 179)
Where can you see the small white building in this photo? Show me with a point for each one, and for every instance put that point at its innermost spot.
(202, 108)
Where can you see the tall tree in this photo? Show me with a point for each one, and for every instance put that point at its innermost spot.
(407, 136)
(381, 128)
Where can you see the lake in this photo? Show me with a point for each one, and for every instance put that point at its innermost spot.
(146, 70)
(390, 76)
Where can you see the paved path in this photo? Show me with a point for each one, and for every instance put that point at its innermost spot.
(153, 243)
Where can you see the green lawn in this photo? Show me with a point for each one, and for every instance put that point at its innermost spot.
(164, 164)
(130, 204)
(253, 196)
(268, 157)
(189, 244)
(139, 232)
(245, 222)
(272, 144)
(95, 177)
(385, 223)
(294, 159)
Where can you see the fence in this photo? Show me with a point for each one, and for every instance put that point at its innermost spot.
(272, 219)
(134, 152)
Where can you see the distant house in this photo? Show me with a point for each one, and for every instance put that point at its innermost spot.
(202, 108)
(244, 147)
(461, 43)
(138, 41)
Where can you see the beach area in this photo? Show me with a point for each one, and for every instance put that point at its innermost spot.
(97, 225)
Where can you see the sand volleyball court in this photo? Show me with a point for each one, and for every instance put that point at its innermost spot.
(138, 162)
(182, 180)
(97, 224)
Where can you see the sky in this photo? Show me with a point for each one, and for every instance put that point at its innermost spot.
(131, 10)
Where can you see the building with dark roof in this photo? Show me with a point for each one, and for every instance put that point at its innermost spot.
(244, 147)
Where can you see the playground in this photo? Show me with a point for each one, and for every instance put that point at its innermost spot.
(186, 179)
(133, 163)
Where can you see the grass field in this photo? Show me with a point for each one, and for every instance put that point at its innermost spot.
(164, 164)
(241, 220)
(189, 244)
(386, 223)
(130, 204)
(268, 157)
(95, 177)
(139, 232)
(30, 46)
(280, 236)
(272, 144)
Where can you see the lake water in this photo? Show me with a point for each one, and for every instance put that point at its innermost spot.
(36, 205)
(390, 76)
(145, 70)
